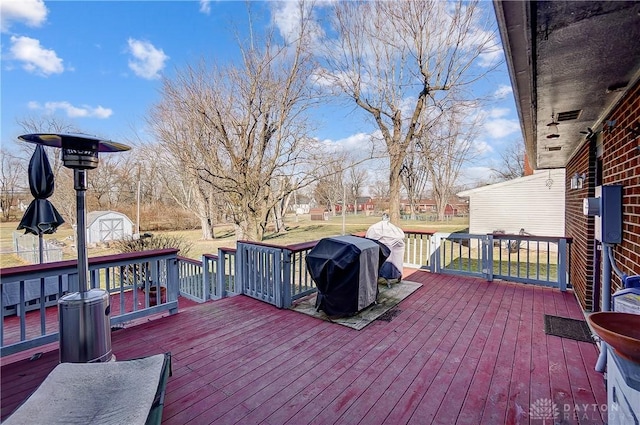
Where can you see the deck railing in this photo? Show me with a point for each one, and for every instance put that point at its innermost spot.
(418, 248)
(274, 274)
(220, 274)
(192, 284)
(300, 282)
(541, 260)
(130, 280)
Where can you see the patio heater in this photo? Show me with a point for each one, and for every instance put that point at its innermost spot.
(85, 331)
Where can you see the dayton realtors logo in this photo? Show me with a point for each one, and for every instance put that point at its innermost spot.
(545, 410)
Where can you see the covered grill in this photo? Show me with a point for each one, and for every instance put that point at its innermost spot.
(345, 270)
(393, 237)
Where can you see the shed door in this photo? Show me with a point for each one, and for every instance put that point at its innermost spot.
(111, 229)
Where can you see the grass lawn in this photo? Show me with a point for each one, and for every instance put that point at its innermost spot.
(299, 229)
(523, 269)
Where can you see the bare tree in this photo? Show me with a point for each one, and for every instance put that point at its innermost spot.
(512, 162)
(281, 188)
(242, 128)
(103, 183)
(415, 176)
(398, 61)
(47, 124)
(328, 189)
(177, 161)
(450, 146)
(13, 174)
(357, 182)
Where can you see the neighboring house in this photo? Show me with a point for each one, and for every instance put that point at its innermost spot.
(455, 207)
(575, 69)
(104, 226)
(534, 203)
(301, 208)
(301, 204)
(364, 204)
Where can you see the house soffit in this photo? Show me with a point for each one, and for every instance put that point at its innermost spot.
(569, 62)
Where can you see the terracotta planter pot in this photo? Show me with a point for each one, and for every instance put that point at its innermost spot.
(153, 295)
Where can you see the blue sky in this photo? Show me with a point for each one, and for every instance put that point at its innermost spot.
(97, 65)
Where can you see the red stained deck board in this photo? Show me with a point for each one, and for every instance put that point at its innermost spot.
(441, 395)
(424, 367)
(319, 377)
(519, 391)
(477, 398)
(338, 379)
(462, 351)
(458, 314)
(381, 395)
(266, 400)
(436, 301)
(498, 392)
(415, 320)
(448, 412)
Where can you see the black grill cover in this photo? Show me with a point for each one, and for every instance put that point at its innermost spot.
(345, 270)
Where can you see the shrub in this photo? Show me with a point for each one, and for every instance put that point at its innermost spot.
(148, 242)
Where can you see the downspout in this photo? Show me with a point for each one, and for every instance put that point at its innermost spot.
(608, 263)
(601, 364)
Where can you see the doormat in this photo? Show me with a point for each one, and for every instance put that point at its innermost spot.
(567, 328)
(387, 299)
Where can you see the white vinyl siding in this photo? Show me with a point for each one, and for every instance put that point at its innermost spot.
(535, 203)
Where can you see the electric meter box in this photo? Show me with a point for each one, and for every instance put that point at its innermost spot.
(611, 213)
(627, 301)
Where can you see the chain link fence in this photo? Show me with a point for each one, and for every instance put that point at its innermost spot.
(26, 247)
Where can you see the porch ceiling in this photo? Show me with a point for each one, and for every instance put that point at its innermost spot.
(563, 57)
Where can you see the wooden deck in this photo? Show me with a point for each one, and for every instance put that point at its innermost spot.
(461, 351)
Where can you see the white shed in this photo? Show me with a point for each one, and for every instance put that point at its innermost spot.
(535, 203)
(105, 226)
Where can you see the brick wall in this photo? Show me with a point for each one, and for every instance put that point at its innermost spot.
(580, 227)
(620, 165)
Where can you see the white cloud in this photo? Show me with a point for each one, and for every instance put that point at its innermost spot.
(83, 111)
(358, 146)
(332, 80)
(503, 91)
(471, 176)
(34, 57)
(147, 61)
(287, 18)
(32, 13)
(490, 57)
(501, 127)
(481, 147)
(205, 6)
(498, 112)
(349, 143)
(497, 124)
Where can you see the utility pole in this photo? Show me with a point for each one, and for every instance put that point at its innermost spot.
(344, 207)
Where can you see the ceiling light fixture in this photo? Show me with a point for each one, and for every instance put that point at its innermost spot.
(552, 132)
